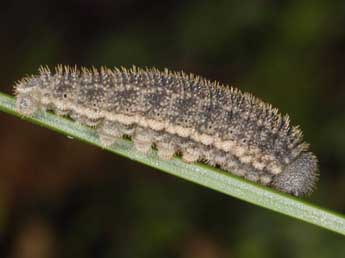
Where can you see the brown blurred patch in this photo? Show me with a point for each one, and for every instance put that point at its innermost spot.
(36, 239)
(202, 245)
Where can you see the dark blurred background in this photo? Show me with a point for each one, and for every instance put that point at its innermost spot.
(63, 198)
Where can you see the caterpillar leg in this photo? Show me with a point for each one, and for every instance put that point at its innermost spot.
(108, 132)
(143, 139)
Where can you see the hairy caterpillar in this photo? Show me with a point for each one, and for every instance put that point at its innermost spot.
(178, 113)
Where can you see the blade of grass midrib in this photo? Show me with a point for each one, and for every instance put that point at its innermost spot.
(201, 174)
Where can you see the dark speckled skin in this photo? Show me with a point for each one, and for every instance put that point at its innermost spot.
(265, 148)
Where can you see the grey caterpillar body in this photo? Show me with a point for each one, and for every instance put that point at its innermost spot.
(179, 113)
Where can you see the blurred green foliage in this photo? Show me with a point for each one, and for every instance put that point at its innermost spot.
(92, 204)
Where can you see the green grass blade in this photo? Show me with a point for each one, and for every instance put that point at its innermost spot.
(198, 173)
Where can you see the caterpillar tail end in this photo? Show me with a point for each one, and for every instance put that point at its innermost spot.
(300, 177)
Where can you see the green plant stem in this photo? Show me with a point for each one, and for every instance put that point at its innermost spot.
(198, 173)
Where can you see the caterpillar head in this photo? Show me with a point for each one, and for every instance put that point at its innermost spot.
(28, 97)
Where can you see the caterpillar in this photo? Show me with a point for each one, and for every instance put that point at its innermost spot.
(178, 113)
